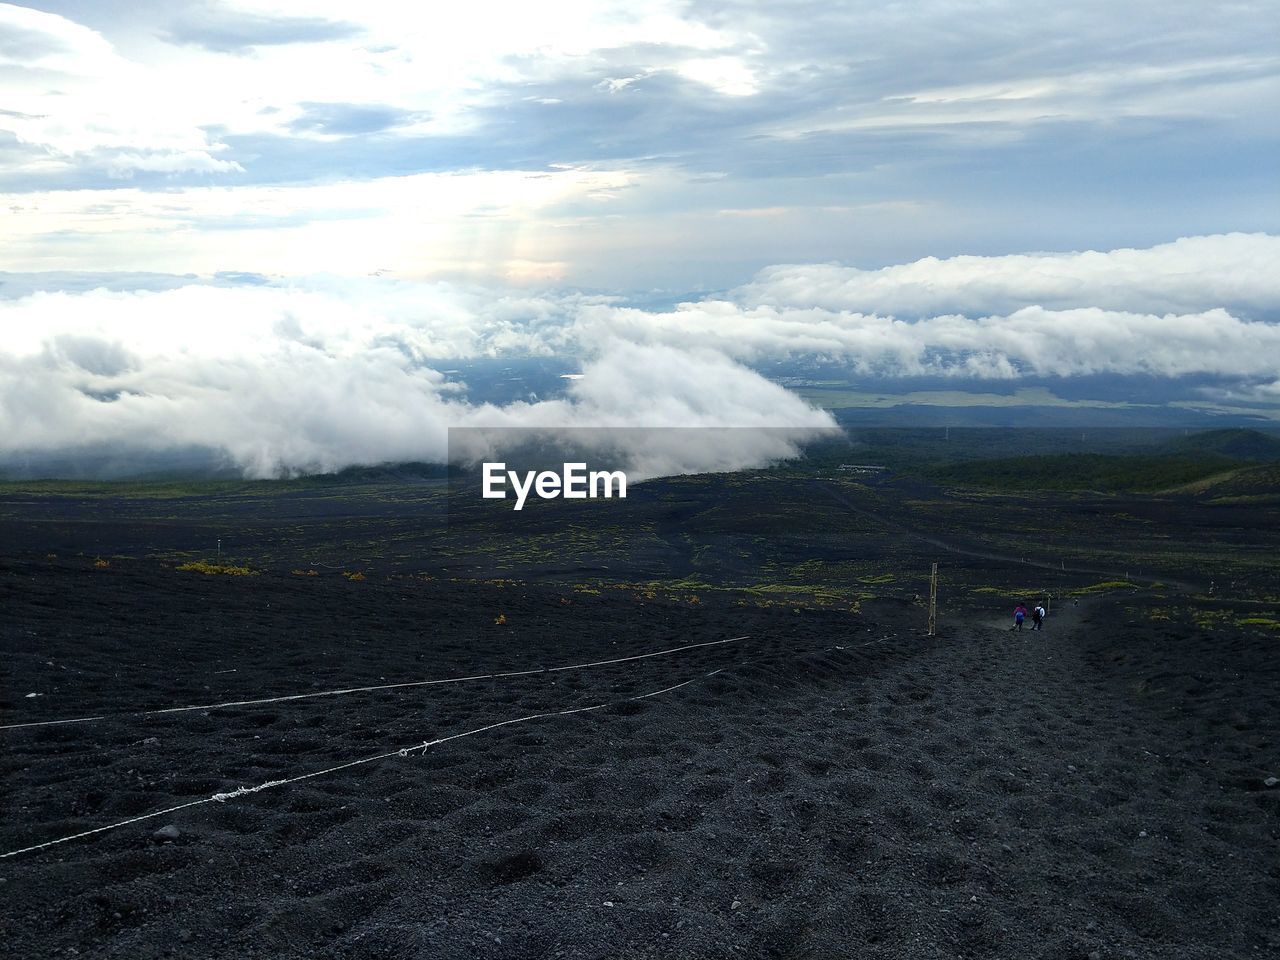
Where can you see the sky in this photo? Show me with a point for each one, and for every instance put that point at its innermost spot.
(265, 226)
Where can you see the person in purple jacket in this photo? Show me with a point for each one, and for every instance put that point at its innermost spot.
(1019, 614)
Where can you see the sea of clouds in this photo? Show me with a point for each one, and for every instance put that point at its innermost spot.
(281, 376)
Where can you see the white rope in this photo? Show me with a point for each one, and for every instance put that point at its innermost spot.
(403, 752)
(382, 686)
(51, 723)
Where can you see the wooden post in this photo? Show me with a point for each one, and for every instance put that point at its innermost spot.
(933, 600)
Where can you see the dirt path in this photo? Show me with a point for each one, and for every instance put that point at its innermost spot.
(1049, 794)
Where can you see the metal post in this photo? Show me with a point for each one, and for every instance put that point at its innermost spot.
(933, 600)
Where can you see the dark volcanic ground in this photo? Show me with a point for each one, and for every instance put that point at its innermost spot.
(844, 788)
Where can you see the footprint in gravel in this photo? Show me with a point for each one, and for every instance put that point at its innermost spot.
(393, 834)
(488, 818)
(873, 759)
(914, 826)
(856, 791)
(526, 791)
(236, 818)
(343, 877)
(710, 791)
(509, 868)
(944, 868)
(946, 798)
(309, 801)
(849, 848)
(155, 861)
(818, 766)
(938, 749)
(1145, 916)
(437, 802)
(769, 781)
(129, 803)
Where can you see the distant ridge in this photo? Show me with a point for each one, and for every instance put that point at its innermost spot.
(1239, 443)
(408, 472)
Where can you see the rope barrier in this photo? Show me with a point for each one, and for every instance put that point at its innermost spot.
(420, 748)
(382, 686)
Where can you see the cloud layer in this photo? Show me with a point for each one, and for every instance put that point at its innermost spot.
(281, 381)
(1235, 271)
(322, 373)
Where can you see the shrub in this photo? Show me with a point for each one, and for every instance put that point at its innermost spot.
(218, 569)
(1258, 622)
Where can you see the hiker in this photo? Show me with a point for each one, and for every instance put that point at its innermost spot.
(1019, 614)
(1037, 617)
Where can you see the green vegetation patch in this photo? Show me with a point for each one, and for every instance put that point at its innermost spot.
(1258, 622)
(1106, 473)
(218, 569)
(1104, 586)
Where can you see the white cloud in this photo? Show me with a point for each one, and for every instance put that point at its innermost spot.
(967, 116)
(72, 97)
(283, 380)
(184, 161)
(34, 40)
(75, 95)
(1031, 340)
(329, 371)
(420, 225)
(727, 75)
(1193, 273)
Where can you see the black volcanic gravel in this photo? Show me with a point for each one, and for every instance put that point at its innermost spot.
(844, 788)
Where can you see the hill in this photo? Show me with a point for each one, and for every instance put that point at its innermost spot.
(1249, 483)
(1237, 444)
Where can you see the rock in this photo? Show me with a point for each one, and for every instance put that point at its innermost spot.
(1142, 833)
(1271, 782)
(166, 834)
(737, 904)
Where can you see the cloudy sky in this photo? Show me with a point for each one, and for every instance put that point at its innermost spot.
(262, 225)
